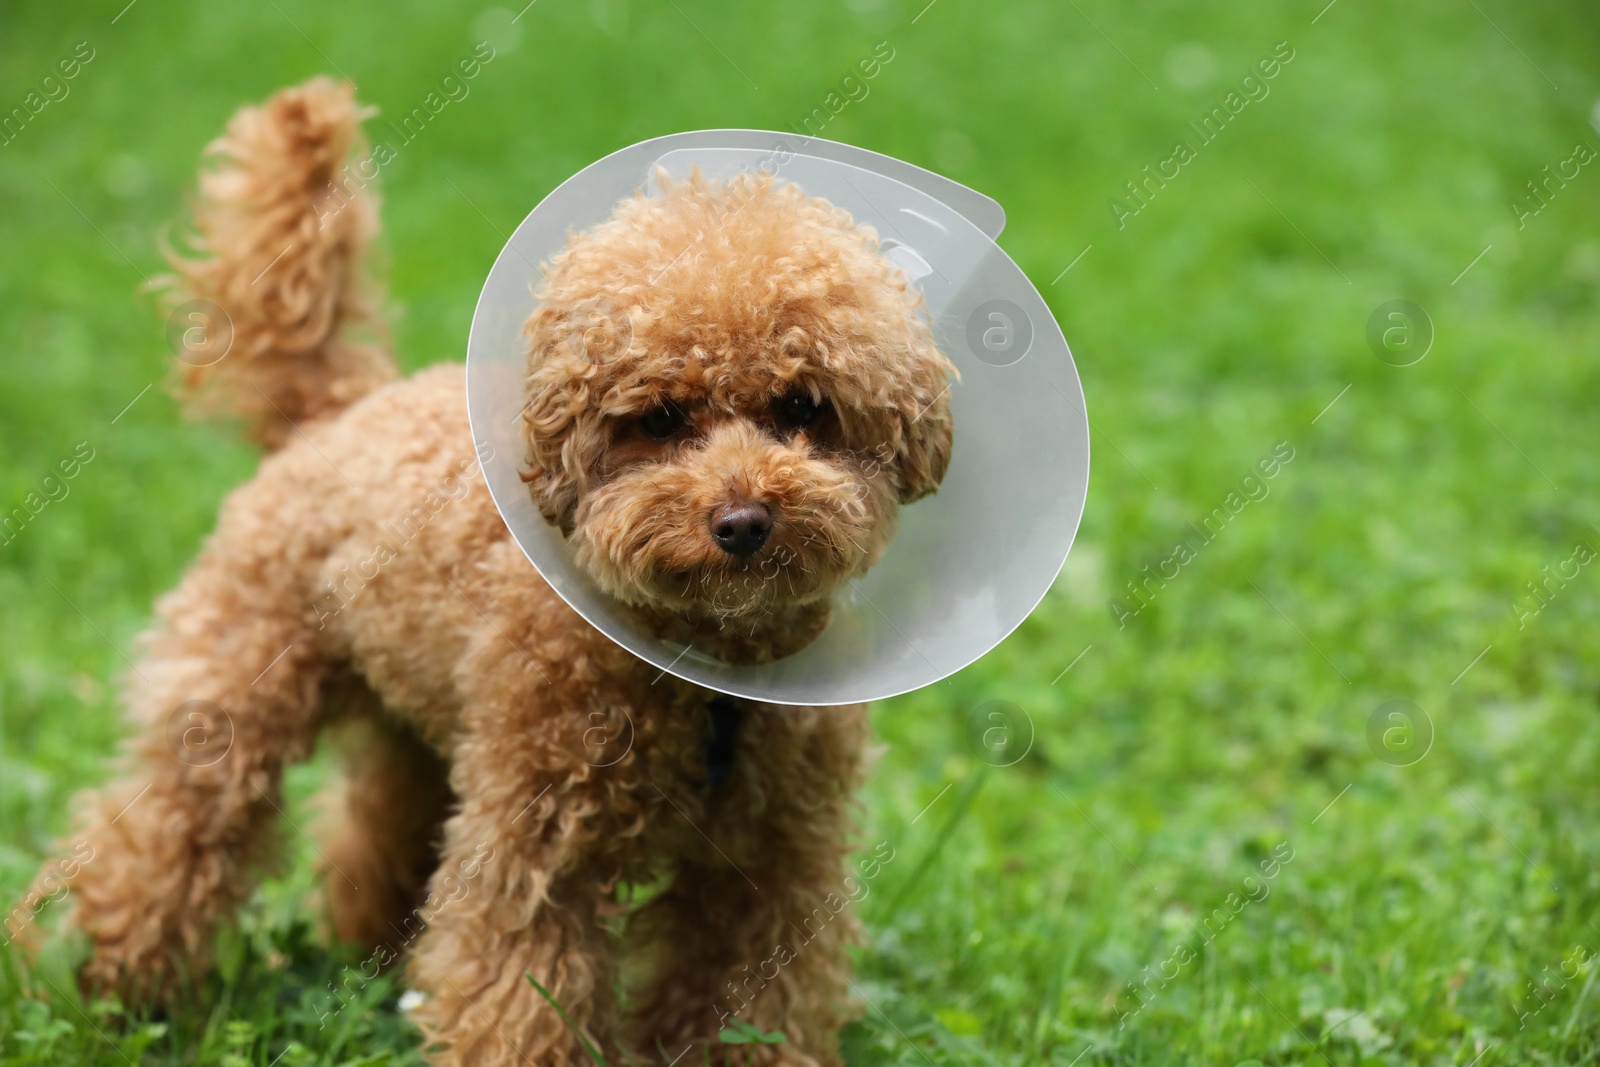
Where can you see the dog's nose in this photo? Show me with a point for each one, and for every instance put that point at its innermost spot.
(741, 529)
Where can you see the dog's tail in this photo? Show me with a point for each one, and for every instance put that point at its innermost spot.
(273, 318)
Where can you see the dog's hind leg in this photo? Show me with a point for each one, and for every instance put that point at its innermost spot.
(224, 697)
(381, 841)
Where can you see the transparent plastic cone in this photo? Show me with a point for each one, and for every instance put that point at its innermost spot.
(967, 564)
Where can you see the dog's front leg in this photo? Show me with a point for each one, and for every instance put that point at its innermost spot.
(488, 933)
(752, 928)
(528, 866)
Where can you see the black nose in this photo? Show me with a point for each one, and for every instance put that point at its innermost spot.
(741, 529)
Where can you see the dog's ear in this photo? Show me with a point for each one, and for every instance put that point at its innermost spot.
(926, 433)
(551, 484)
(554, 494)
(925, 454)
(569, 349)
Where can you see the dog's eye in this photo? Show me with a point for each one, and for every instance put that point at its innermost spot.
(663, 423)
(796, 410)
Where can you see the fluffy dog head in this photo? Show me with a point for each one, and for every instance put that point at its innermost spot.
(730, 393)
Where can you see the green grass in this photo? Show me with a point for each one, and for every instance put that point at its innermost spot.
(1179, 751)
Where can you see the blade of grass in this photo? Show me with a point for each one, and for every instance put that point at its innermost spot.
(1577, 1005)
(588, 1046)
(962, 805)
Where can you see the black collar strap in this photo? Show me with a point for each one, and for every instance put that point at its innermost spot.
(723, 739)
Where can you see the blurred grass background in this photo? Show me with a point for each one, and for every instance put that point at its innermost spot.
(1431, 913)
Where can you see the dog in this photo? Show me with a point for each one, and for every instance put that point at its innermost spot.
(730, 393)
